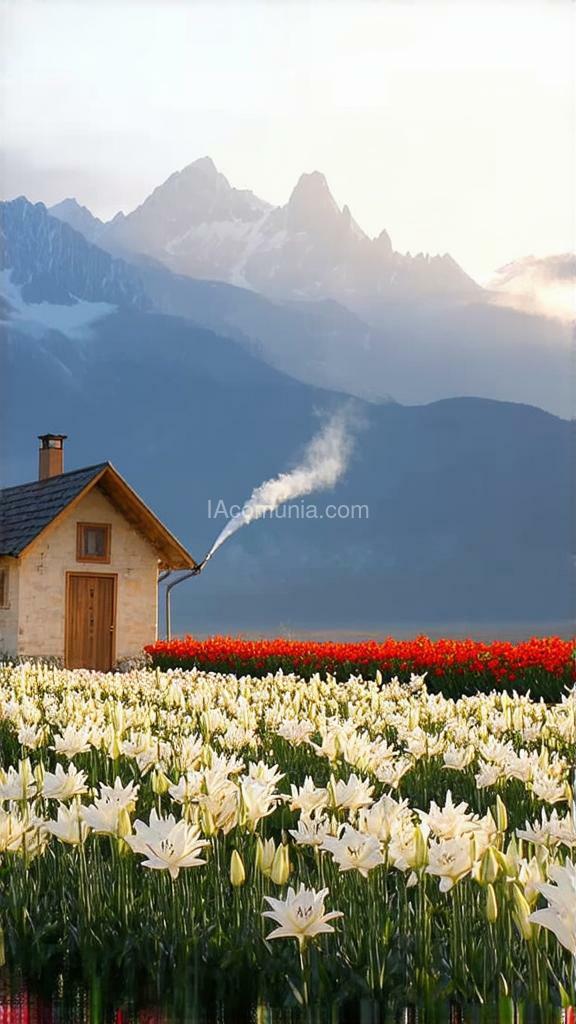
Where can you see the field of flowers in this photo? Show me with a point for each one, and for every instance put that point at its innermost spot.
(544, 665)
(287, 841)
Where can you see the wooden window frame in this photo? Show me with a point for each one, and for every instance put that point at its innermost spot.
(5, 589)
(100, 559)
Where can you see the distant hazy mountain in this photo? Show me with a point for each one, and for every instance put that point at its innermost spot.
(51, 277)
(418, 352)
(197, 224)
(78, 217)
(469, 513)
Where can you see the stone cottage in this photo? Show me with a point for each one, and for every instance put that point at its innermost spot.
(80, 555)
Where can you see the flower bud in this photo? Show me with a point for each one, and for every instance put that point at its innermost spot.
(491, 903)
(509, 858)
(489, 867)
(114, 746)
(124, 823)
(518, 719)
(420, 848)
(237, 872)
(280, 866)
(265, 854)
(501, 815)
(160, 782)
(505, 863)
(521, 913)
(208, 826)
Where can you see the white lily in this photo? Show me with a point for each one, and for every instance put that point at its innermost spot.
(69, 827)
(167, 844)
(449, 821)
(17, 784)
(350, 795)
(72, 741)
(63, 785)
(354, 851)
(301, 915)
(122, 796)
(308, 798)
(560, 914)
(451, 860)
(106, 818)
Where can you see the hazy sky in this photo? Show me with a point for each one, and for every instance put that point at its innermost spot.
(450, 124)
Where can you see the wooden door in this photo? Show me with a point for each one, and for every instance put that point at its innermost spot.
(90, 621)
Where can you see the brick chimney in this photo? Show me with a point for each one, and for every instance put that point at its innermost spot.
(51, 455)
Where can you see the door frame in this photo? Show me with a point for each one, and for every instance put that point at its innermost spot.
(98, 575)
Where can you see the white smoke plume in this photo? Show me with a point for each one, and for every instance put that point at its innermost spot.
(324, 461)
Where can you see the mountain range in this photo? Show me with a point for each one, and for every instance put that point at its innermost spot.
(171, 379)
(197, 224)
(304, 287)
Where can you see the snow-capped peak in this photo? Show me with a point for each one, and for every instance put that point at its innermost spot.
(198, 224)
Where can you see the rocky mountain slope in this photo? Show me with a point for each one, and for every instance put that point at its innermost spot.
(53, 263)
(418, 352)
(197, 224)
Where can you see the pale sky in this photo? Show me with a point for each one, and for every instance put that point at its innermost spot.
(449, 124)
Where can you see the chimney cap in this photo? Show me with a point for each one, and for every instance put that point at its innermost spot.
(47, 438)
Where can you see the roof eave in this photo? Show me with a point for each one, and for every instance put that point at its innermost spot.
(172, 554)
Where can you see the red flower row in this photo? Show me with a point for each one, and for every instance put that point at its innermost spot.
(499, 662)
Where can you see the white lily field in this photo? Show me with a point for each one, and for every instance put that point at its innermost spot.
(289, 843)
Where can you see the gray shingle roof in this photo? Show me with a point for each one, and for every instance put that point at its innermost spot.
(27, 509)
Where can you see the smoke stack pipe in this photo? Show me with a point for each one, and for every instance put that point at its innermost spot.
(51, 455)
(201, 564)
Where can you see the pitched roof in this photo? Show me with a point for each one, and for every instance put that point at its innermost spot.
(27, 510)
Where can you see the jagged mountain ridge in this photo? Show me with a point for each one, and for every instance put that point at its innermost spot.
(51, 262)
(418, 354)
(49, 270)
(197, 224)
(78, 217)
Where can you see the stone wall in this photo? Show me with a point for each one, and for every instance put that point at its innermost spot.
(9, 613)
